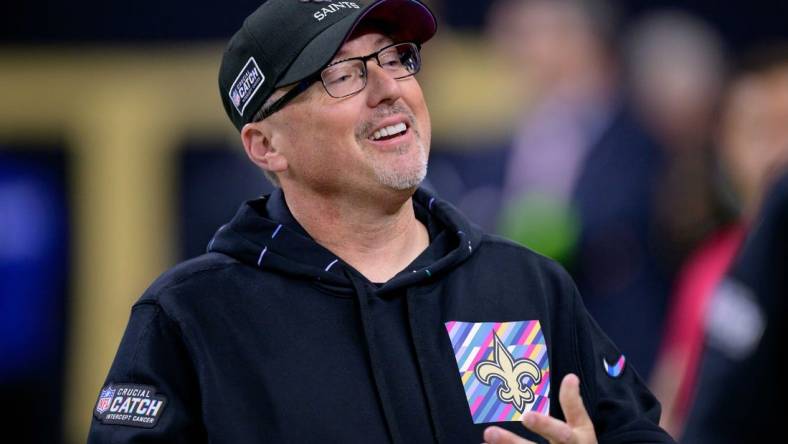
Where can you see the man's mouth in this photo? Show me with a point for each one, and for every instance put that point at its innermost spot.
(389, 132)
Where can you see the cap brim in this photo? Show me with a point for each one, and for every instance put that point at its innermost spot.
(406, 20)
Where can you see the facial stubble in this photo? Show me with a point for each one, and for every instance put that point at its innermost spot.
(412, 174)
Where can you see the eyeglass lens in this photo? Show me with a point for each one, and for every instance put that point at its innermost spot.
(350, 76)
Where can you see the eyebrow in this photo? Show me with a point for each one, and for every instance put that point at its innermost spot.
(342, 54)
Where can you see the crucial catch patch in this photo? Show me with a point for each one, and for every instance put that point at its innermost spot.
(246, 85)
(130, 405)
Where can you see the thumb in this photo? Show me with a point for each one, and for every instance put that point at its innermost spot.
(571, 402)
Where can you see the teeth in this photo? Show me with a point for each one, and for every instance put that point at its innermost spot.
(389, 131)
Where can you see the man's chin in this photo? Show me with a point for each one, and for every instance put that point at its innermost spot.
(404, 180)
(404, 171)
(410, 187)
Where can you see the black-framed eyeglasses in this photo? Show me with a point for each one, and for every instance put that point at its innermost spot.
(346, 77)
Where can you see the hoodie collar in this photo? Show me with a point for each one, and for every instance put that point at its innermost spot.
(264, 234)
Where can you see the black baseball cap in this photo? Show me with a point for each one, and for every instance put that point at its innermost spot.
(286, 41)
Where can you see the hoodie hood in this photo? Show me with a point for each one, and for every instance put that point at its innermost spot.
(264, 234)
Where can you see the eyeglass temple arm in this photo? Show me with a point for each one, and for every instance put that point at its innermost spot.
(290, 95)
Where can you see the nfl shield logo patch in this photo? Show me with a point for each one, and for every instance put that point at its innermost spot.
(503, 367)
(105, 399)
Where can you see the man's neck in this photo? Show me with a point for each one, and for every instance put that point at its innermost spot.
(377, 240)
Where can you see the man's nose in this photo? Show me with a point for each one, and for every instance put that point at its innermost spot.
(381, 86)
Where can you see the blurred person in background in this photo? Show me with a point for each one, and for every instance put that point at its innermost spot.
(562, 52)
(583, 175)
(676, 68)
(741, 388)
(752, 141)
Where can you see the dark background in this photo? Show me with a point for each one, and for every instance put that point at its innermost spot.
(743, 24)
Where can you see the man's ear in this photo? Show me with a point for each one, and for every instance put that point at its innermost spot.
(257, 138)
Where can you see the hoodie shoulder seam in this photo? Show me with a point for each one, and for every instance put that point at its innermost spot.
(156, 291)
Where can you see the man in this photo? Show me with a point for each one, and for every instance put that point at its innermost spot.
(745, 338)
(349, 305)
(744, 324)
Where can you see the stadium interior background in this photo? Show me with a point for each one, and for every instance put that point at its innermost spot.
(117, 161)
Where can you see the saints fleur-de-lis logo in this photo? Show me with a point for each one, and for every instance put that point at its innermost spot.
(511, 373)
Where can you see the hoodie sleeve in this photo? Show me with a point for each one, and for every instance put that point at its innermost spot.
(621, 407)
(151, 394)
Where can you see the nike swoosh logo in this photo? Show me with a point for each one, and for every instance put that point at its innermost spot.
(614, 370)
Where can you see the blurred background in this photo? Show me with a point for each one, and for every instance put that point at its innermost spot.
(630, 140)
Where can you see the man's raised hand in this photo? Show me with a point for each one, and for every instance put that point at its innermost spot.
(578, 428)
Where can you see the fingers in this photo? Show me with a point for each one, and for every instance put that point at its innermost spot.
(578, 427)
(497, 435)
(572, 403)
(553, 429)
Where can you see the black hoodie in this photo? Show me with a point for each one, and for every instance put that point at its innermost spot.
(270, 337)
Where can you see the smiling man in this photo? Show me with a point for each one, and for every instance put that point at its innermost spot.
(350, 305)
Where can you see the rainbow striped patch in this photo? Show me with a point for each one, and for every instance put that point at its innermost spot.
(503, 368)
